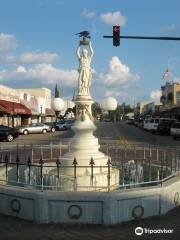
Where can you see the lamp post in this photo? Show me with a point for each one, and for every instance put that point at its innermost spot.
(41, 113)
(13, 114)
(110, 104)
(58, 106)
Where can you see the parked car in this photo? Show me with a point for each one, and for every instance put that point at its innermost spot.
(64, 124)
(107, 120)
(153, 125)
(146, 124)
(140, 123)
(175, 130)
(34, 128)
(135, 122)
(130, 121)
(8, 133)
(165, 126)
(52, 126)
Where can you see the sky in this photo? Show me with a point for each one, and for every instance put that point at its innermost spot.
(38, 44)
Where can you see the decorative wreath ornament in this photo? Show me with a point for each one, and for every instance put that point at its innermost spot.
(15, 205)
(74, 208)
(135, 214)
(176, 198)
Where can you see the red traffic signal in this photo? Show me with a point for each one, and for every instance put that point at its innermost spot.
(116, 35)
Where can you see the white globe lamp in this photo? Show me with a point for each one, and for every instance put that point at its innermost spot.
(110, 104)
(58, 106)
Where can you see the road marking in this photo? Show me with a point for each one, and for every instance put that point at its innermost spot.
(121, 138)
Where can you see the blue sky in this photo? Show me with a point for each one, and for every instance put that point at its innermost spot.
(37, 45)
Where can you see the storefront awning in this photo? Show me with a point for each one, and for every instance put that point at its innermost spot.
(14, 108)
(2, 110)
(30, 106)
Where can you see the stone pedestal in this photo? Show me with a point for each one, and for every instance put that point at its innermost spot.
(84, 147)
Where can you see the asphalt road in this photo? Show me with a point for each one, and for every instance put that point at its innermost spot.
(130, 134)
(120, 131)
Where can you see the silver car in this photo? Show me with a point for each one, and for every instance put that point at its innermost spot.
(34, 128)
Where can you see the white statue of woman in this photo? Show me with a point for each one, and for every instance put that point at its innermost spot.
(84, 79)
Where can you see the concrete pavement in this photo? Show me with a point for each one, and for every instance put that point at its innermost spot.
(17, 229)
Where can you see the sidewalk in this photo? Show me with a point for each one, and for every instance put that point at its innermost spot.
(16, 229)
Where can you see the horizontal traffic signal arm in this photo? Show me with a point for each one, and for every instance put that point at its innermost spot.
(146, 37)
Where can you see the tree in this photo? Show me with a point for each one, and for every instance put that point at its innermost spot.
(96, 110)
(57, 94)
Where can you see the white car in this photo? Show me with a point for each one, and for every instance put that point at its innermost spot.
(146, 124)
(153, 124)
(175, 130)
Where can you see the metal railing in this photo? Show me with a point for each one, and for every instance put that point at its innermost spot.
(138, 165)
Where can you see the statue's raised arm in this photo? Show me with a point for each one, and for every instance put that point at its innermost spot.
(91, 50)
(78, 52)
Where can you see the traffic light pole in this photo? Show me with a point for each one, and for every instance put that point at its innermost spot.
(148, 38)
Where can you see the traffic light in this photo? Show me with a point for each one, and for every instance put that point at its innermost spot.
(116, 35)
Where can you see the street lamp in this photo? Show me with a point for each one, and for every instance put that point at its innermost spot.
(110, 104)
(58, 106)
(41, 113)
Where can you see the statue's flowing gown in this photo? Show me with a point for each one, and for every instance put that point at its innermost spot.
(84, 74)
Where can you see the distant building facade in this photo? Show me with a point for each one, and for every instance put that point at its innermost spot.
(25, 106)
(170, 94)
(170, 100)
(139, 108)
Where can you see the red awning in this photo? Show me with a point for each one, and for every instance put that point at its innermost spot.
(14, 108)
(2, 109)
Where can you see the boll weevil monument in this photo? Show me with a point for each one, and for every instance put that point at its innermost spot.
(84, 146)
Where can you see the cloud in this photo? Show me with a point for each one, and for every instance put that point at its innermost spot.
(44, 73)
(119, 74)
(21, 69)
(7, 42)
(112, 18)
(30, 58)
(88, 14)
(155, 95)
(169, 28)
(117, 81)
(115, 93)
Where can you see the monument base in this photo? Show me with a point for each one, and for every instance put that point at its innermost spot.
(92, 170)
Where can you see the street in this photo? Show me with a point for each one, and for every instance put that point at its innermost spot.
(124, 133)
(130, 134)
